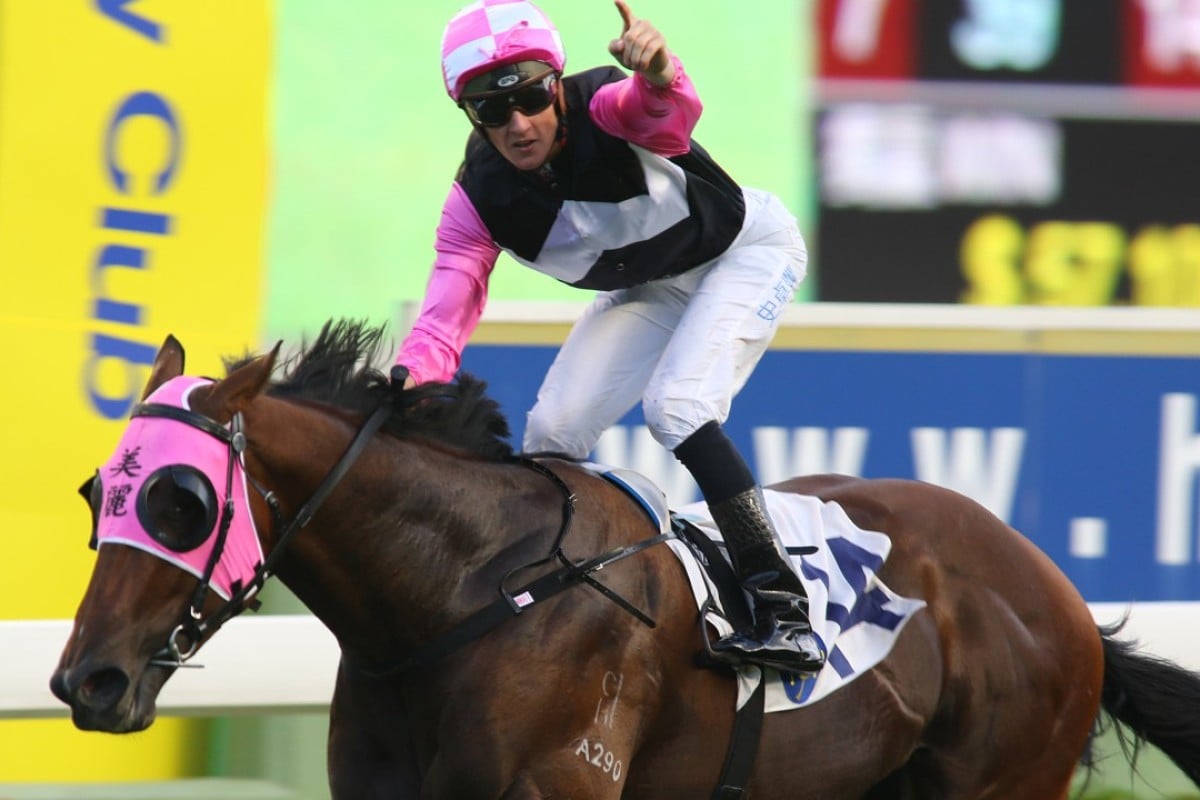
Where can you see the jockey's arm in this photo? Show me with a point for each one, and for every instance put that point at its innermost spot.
(455, 295)
(659, 118)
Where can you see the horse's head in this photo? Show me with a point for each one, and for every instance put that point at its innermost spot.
(176, 539)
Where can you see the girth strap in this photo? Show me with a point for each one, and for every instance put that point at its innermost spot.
(748, 721)
(743, 745)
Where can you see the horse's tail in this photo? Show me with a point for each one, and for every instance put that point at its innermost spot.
(1151, 700)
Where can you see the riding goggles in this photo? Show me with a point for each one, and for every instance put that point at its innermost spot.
(493, 110)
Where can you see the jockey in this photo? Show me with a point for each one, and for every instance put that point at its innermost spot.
(593, 179)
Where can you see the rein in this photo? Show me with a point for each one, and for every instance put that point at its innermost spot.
(509, 604)
(195, 627)
(513, 603)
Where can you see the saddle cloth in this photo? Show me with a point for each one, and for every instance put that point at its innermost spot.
(854, 614)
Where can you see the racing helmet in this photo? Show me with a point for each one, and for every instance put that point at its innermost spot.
(489, 34)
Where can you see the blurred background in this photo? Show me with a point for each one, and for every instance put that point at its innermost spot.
(236, 172)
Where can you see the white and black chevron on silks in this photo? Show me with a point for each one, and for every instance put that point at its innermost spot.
(606, 214)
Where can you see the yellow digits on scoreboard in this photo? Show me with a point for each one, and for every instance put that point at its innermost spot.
(1073, 263)
(1164, 266)
(1061, 263)
(990, 253)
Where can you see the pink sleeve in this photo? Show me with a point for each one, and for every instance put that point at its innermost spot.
(455, 295)
(660, 119)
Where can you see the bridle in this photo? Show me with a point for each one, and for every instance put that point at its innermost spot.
(511, 603)
(195, 626)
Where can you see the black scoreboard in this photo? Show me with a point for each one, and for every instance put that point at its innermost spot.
(1008, 152)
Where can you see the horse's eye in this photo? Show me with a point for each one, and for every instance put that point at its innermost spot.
(92, 490)
(178, 507)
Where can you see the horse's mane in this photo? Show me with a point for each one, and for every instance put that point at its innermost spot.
(337, 369)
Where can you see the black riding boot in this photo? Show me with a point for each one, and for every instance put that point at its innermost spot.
(781, 636)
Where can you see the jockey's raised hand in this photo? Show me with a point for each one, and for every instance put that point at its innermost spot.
(642, 48)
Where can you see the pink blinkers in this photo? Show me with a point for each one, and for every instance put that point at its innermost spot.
(163, 491)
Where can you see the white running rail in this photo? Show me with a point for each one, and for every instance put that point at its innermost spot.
(277, 664)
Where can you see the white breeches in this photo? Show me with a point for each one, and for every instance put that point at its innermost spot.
(684, 345)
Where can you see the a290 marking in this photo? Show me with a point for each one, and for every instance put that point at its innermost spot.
(600, 757)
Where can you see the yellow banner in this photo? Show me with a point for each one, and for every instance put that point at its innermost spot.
(133, 170)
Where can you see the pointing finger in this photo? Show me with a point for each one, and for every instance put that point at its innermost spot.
(627, 17)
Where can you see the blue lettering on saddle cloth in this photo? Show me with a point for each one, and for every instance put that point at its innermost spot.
(867, 607)
(854, 614)
(858, 566)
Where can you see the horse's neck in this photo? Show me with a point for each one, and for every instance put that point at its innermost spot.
(411, 540)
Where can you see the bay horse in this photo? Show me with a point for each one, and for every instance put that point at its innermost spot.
(395, 537)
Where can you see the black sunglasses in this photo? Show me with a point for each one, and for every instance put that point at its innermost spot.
(177, 506)
(494, 110)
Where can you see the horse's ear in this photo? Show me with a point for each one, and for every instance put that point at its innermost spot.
(168, 363)
(244, 383)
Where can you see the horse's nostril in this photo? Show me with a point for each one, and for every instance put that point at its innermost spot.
(58, 686)
(103, 688)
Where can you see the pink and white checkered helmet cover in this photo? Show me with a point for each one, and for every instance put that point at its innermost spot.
(491, 33)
